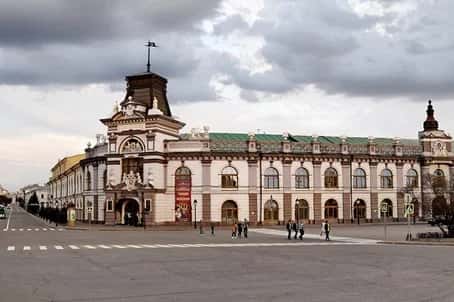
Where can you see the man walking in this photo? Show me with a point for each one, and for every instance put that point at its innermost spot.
(289, 229)
(327, 230)
(245, 228)
(240, 229)
(295, 229)
(301, 227)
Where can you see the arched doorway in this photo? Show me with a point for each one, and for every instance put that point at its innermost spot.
(130, 212)
(229, 212)
(302, 210)
(359, 211)
(389, 206)
(271, 212)
(183, 187)
(439, 207)
(331, 209)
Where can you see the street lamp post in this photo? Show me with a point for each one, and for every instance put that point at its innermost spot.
(195, 213)
(297, 204)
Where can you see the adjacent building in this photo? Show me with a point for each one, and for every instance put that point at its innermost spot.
(146, 170)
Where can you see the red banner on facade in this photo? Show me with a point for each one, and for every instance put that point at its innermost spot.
(183, 198)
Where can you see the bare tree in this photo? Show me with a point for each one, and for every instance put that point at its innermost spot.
(439, 202)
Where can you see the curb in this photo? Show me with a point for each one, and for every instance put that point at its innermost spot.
(416, 242)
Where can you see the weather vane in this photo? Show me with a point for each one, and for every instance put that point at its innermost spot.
(150, 44)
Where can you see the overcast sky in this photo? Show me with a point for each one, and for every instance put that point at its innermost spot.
(327, 67)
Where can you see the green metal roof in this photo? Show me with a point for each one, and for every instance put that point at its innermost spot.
(222, 136)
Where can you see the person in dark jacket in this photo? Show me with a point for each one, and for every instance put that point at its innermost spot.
(245, 228)
(240, 229)
(327, 230)
(295, 229)
(289, 229)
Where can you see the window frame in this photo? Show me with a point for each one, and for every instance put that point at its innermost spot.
(386, 181)
(359, 181)
(229, 179)
(302, 179)
(331, 181)
(271, 181)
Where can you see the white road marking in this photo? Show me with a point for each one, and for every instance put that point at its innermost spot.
(60, 230)
(13, 230)
(26, 248)
(104, 246)
(134, 246)
(58, 247)
(151, 246)
(73, 247)
(9, 218)
(43, 248)
(4, 230)
(21, 230)
(119, 246)
(44, 229)
(52, 229)
(29, 229)
(37, 229)
(91, 247)
(11, 248)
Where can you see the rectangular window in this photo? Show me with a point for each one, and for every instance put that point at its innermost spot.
(387, 182)
(271, 182)
(301, 181)
(110, 205)
(147, 205)
(132, 164)
(229, 181)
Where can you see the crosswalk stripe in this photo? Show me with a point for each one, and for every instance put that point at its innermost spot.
(73, 247)
(91, 247)
(4, 230)
(27, 248)
(104, 246)
(44, 229)
(60, 230)
(52, 229)
(58, 247)
(13, 230)
(43, 248)
(11, 248)
(21, 230)
(36, 229)
(29, 230)
(119, 246)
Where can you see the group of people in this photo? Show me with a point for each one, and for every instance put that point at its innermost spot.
(298, 228)
(239, 229)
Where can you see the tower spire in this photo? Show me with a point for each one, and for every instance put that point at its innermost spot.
(430, 123)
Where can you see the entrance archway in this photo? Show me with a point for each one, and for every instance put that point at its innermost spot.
(331, 209)
(359, 211)
(271, 212)
(439, 207)
(229, 212)
(130, 212)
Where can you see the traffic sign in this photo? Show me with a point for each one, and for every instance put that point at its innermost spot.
(409, 209)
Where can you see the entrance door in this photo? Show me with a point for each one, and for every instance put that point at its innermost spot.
(131, 212)
(229, 212)
(271, 212)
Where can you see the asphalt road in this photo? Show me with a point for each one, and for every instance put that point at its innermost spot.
(185, 266)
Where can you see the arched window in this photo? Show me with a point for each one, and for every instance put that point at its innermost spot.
(331, 178)
(271, 211)
(388, 207)
(386, 179)
(331, 209)
(88, 180)
(439, 173)
(302, 210)
(229, 212)
(183, 171)
(360, 209)
(229, 177)
(301, 178)
(412, 178)
(271, 178)
(359, 178)
(132, 145)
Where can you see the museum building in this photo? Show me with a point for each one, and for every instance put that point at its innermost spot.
(145, 168)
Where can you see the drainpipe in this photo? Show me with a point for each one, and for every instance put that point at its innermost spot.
(260, 187)
(351, 189)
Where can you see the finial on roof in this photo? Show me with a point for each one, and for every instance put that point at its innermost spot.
(430, 123)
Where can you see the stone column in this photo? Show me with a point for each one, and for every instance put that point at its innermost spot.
(317, 207)
(346, 196)
(252, 185)
(373, 191)
(286, 181)
(206, 190)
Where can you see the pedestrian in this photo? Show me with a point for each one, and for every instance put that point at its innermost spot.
(245, 228)
(322, 231)
(234, 231)
(289, 229)
(327, 230)
(201, 227)
(295, 229)
(212, 228)
(240, 230)
(301, 228)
